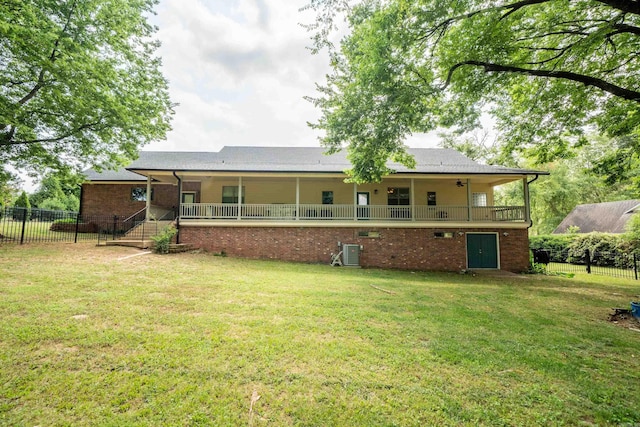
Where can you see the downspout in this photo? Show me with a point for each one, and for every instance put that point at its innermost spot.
(179, 207)
(528, 199)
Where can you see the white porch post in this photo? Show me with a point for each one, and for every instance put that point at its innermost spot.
(469, 200)
(297, 198)
(355, 201)
(240, 197)
(527, 201)
(413, 203)
(148, 203)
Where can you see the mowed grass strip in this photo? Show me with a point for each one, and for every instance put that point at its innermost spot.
(90, 336)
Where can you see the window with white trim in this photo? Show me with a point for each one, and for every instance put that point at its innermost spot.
(479, 199)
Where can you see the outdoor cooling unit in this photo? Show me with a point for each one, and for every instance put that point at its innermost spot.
(351, 255)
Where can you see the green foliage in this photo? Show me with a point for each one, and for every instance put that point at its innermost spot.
(22, 201)
(557, 245)
(607, 250)
(53, 205)
(604, 249)
(58, 190)
(632, 230)
(80, 83)
(545, 70)
(65, 221)
(9, 184)
(162, 240)
(573, 229)
(572, 181)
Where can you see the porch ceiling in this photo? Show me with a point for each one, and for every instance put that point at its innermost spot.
(167, 176)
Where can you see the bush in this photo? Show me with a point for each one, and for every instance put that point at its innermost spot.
(53, 205)
(556, 244)
(606, 250)
(65, 221)
(163, 239)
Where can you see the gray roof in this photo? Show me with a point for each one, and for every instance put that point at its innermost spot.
(110, 175)
(306, 159)
(609, 217)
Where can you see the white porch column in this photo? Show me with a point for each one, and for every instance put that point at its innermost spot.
(355, 201)
(148, 203)
(240, 197)
(527, 200)
(297, 198)
(412, 196)
(469, 201)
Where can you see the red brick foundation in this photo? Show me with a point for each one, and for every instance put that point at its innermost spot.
(402, 248)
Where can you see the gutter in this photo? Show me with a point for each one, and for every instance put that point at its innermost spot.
(178, 205)
(529, 197)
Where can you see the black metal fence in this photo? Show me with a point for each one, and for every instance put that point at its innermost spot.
(609, 263)
(22, 225)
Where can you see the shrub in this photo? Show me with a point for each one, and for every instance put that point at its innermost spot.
(65, 221)
(163, 239)
(53, 204)
(556, 244)
(605, 250)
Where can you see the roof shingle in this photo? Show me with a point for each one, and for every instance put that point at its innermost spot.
(609, 217)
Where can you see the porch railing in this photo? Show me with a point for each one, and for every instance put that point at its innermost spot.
(288, 212)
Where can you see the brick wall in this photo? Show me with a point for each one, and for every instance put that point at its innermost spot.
(115, 199)
(403, 248)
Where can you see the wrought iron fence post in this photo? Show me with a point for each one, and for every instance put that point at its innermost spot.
(588, 258)
(24, 224)
(115, 220)
(75, 238)
(142, 238)
(635, 265)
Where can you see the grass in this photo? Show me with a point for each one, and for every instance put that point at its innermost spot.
(89, 337)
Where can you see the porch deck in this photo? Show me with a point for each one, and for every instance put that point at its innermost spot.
(319, 212)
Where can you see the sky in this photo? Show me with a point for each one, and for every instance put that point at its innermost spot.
(239, 70)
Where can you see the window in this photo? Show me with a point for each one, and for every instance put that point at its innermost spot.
(139, 194)
(398, 196)
(327, 197)
(479, 199)
(431, 198)
(230, 194)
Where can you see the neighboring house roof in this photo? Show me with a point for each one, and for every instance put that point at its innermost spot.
(307, 159)
(609, 217)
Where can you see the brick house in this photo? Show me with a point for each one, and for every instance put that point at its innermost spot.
(293, 204)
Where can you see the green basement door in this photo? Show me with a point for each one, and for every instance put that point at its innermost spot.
(482, 250)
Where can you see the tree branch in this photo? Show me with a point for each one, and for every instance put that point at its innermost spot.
(624, 28)
(512, 7)
(627, 6)
(52, 58)
(9, 142)
(611, 88)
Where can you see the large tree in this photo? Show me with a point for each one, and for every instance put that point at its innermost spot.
(80, 82)
(546, 70)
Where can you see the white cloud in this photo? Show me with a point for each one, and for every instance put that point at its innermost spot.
(239, 70)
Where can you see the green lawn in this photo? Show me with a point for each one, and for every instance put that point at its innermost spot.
(90, 338)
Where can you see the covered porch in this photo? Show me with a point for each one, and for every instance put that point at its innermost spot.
(326, 198)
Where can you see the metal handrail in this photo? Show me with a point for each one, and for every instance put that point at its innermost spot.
(135, 214)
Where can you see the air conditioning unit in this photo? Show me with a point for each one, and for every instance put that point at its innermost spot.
(351, 255)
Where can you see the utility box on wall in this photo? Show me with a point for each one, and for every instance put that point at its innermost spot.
(351, 255)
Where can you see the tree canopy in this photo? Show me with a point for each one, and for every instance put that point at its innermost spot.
(546, 70)
(79, 82)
